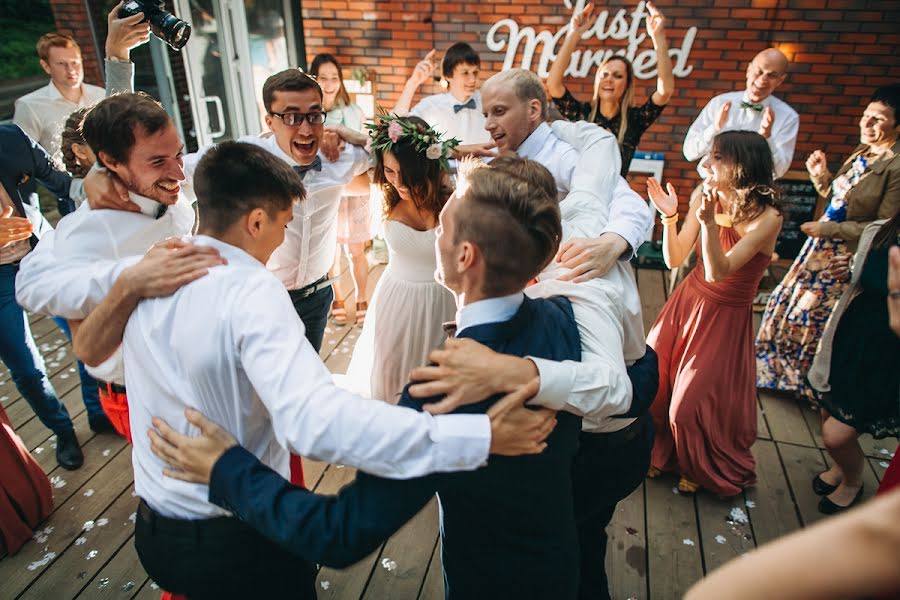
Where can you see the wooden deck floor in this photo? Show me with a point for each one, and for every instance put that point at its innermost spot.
(660, 541)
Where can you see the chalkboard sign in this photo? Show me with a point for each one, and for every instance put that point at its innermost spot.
(799, 204)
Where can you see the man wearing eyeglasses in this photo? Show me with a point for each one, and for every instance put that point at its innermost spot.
(296, 118)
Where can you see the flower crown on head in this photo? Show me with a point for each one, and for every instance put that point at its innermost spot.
(388, 129)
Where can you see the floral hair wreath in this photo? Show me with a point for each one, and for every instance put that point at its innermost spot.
(388, 129)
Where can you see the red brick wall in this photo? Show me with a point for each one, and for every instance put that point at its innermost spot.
(840, 55)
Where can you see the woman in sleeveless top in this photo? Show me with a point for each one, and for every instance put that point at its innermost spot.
(409, 307)
(705, 411)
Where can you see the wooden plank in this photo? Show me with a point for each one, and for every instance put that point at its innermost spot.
(884, 449)
(313, 471)
(150, 591)
(774, 513)
(64, 380)
(653, 295)
(762, 428)
(673, 542)
(120, 577)
(724, 537)
(67, 525)
(350, 582)
(878, 467)
(402, 575)
(626, 551)
(33, 432)
(801, 465)
(433, 586)
(785, 419)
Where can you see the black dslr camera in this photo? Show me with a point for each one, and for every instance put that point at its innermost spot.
(163, 24)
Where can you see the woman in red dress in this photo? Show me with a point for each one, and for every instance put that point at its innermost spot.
(705, 411)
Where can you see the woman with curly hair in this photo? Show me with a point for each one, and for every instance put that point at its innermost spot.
(704, 413)
(408, 306)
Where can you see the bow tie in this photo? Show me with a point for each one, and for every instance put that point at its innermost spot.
(751, 105)
(469, 104)
(315, 165)
(161, 210)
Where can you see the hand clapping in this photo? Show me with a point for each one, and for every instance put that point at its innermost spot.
(424, 69)
(665, 203)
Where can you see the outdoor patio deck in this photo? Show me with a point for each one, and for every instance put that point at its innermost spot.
(661, 541)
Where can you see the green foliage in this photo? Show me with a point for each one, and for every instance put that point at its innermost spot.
(27, 10)
(17, 55)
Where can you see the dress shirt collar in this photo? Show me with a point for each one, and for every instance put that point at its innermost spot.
(534, 142)
(232, 254)
(489, 310)
(54, 94)
(764, 102)
(148, 206)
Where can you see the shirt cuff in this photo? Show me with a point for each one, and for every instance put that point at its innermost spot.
(621, 230)
(463, 441)
(557, 382)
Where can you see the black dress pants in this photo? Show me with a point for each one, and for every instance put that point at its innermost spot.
(607, 468)
(219, 558)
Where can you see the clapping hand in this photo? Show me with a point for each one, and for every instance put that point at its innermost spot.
(583, 20)
(655, 21)
(424, 69)
(665, 203)
(706, 213)
(768, 120)
(722, 116)
(816, 164)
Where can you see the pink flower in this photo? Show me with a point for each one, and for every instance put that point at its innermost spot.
(395, 130)
(434, 152)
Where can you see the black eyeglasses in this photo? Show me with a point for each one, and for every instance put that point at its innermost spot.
(294, 119)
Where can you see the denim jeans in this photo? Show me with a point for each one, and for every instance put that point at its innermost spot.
(90, 394)
(21, 356)
(313, 311)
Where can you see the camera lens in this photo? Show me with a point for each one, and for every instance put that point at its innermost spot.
(170, 29)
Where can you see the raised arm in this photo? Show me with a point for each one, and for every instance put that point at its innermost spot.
(420, 74)
(711, 120)
(580, 23)
(665, 79)
(759, 237)
(676, 244)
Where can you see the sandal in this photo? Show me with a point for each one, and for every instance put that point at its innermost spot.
(338, 312)
(361, 308)
(653, 472)
(688, 487)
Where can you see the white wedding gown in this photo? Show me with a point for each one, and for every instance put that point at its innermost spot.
(405, 318)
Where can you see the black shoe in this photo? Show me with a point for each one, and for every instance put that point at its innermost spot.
(827, 507)
(68, 451)
(99, 423)
(822, 488)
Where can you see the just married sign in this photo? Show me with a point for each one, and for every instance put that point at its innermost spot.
(507, 34)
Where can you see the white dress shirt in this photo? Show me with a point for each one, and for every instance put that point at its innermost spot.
(61, 276)
(607, 310)
(42, 114)
(629, 215)
(467, 125)
(781, 140)
(230, 345)
(308, 249)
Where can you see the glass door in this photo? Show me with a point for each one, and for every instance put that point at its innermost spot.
(210, 59)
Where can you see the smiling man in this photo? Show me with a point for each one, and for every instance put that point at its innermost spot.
(753, 109)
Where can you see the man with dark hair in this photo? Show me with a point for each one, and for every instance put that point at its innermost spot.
(133, 138)
(508, 529)
(457, 112)
(230, 344)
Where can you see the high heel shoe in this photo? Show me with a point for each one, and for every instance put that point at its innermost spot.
(822, 487)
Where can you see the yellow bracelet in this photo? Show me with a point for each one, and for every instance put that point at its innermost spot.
(670, 220)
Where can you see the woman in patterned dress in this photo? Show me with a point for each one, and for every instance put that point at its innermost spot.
(612, 106)
(866, 188)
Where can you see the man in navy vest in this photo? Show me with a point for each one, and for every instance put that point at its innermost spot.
(508, 529)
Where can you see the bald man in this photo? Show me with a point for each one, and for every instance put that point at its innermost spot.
(751, 109)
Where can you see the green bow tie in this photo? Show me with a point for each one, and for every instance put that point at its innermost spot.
(756, 107)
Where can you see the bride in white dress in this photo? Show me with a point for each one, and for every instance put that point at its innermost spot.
(408, 307)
